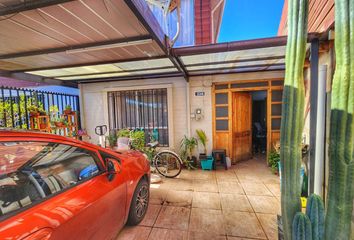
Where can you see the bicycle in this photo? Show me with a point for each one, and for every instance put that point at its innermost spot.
(166, 162)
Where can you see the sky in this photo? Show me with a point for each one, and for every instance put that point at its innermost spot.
(250, 19)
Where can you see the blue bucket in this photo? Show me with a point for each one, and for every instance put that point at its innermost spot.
(207, 164)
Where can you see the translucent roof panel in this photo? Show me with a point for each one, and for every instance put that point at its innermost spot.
(236, 64)
(119, 74)
(240, 55)
(130, 68)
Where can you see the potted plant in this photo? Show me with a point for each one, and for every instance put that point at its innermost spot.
(188, 146)
(112, 139)
(68, 110)
(33, 110)
(137, 138)
(61, 122)
(202, 138)
(123, 139)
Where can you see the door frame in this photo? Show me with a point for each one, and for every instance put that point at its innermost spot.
(268, 85)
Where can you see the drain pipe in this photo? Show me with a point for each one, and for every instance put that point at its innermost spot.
(188, 110)
(320, 131)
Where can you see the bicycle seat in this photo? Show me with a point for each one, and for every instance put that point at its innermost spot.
(153, 144)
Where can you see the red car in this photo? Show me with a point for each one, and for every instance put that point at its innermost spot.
(52, 187)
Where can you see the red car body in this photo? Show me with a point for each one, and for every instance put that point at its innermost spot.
(94, 209)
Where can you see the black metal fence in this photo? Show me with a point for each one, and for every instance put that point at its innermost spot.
(16, 103)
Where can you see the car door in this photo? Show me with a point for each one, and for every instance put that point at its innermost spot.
(73, 198)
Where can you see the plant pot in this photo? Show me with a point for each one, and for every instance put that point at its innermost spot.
(42, 125)
(34, 114)
(68, 111)
(207, 164)
(59, 124)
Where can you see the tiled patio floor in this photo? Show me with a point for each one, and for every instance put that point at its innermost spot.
(240, 203)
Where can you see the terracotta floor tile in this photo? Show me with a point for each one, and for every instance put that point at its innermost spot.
(157, 195)
(248, 177)
(134, 233)
(264, 204)
(186, 174)
(182, 184)
(167, 234)
(179, 198)
(269, 224)
(230, 187)
(173, 218)
(207, 220)
(226, 175)
(205, 186)
(274, 188)
(271, 179)
(151, 215)
(243, 224)
(258, 189)
(204, 236)
(204, 175)
(235, 202)
(206, 200)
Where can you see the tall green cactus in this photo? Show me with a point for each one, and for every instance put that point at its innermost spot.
(341, 145)
(301, 227)
(293, 113)
(315, 212)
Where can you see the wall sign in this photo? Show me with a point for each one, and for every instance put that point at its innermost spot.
(199, 94)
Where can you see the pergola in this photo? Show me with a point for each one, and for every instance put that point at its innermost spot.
(69, 42)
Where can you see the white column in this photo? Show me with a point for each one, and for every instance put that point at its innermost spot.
(320, 131)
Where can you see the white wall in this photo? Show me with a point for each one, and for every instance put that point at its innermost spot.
(94, 109)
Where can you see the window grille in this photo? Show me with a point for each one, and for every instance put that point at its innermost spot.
(140, 109)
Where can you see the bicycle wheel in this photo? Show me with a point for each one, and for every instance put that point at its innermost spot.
(168, 164)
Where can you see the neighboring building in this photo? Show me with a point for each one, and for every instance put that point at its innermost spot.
(200, 21)
(321, 16)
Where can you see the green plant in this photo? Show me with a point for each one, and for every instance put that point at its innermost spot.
(68, 107)
(202, 139)
(64, 121)
(301, 227)
(341, 153)
(123, 133)
(315, 212)
(273, 160)
(112, 139)
(138, 139)
(188, 146)
(293, 113)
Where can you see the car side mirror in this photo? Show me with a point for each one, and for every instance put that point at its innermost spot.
(113, 168)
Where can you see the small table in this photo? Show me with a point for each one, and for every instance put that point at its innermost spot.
(219, 154)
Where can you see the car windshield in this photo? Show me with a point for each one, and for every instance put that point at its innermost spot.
(31, 171)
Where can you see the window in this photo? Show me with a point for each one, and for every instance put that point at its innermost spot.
(140, 109)
(32, 171)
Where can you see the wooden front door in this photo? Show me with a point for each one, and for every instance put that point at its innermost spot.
(242, 126)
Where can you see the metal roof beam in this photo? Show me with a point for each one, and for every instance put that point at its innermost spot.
(38, 79)
(136, 77)
(236, 46)
(29, 5)
(77, 48)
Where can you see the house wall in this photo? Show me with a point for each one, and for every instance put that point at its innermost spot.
(94, 108)
(204, 83)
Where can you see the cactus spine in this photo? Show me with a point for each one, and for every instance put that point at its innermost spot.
(315, 212)
(301, 227)
(292, 113)
(341, 154)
